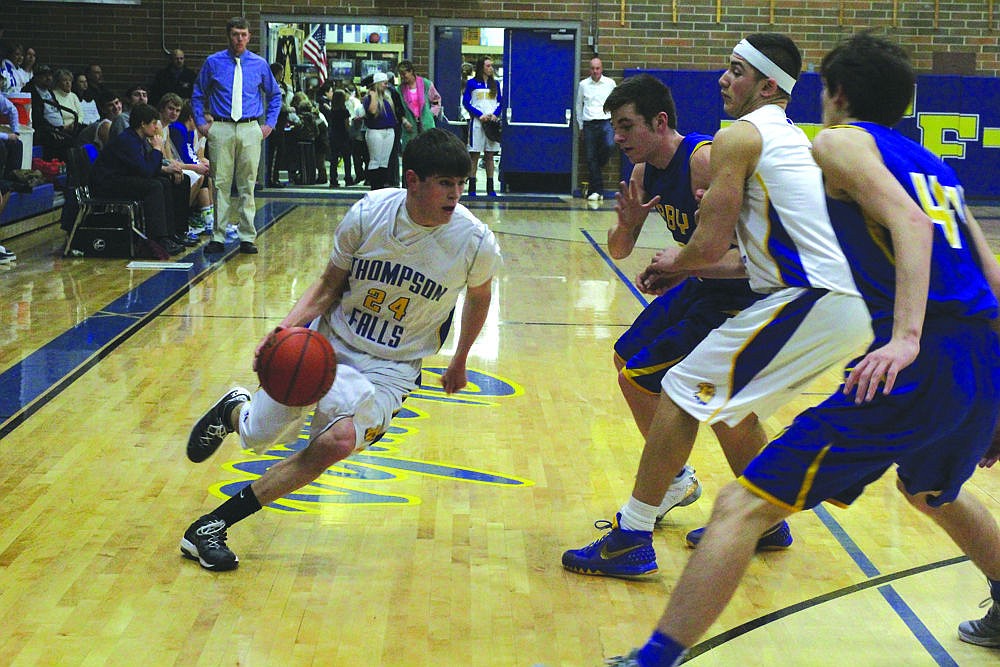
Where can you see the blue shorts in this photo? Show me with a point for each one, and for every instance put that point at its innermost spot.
(673, 325)
(935, 426)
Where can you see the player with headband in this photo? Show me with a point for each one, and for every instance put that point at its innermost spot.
(931, 288)
(766, 190)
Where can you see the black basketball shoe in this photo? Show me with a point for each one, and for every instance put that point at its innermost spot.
(205, 542)
(213, 427)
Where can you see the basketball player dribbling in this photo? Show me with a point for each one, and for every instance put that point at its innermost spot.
(400, 260)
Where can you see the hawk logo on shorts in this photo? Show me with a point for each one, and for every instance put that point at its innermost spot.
(705, 393)
(374, 433)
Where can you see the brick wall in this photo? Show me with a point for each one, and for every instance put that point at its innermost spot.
(129, 41)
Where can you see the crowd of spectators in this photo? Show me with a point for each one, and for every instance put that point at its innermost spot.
(326, 124)
(155, 156)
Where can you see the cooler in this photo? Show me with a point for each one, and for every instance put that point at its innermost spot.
(22, 101)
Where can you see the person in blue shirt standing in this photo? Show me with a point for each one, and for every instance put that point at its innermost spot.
(232, 125)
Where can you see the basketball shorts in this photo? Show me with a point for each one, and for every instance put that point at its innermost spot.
(367, 389)
(478, 141)
(673, 325)
(767, 355)
(935, 426)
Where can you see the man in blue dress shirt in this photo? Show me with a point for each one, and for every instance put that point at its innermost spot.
(231, 123)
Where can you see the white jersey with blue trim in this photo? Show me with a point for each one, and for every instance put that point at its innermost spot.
(784, 232)
(403, 279)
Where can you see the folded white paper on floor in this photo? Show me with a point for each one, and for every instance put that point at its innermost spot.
(176, 266)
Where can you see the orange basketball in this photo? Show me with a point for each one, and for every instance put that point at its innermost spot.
(298, 367)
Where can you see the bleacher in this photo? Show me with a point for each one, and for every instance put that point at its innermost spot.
(27, 211)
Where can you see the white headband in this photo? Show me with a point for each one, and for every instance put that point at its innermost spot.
(765, 65)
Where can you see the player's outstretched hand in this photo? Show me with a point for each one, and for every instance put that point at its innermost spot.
(266, 342)
(629, 206)
(454, 377)
(880, 366)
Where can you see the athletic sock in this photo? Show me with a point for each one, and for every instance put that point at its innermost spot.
(636, 515)
(239, 507)
(231, 407)
(994, 589)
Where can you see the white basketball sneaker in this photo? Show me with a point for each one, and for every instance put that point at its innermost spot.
(684, 490)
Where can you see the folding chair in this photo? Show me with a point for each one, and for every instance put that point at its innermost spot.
(103, 226)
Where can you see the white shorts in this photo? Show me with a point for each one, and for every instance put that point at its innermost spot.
(478, 141)
(762, 358)
(367, 389)
(380, 144)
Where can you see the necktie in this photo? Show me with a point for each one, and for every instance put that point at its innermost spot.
(237, 105)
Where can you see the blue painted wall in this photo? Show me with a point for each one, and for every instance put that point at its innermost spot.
(955, 117)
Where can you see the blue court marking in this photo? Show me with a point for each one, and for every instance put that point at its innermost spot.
(852, 549)
(896, 603)
(614, 267)
(42, 375)
(791, 610)
(916, 626)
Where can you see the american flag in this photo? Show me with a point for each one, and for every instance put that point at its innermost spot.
(314, 50)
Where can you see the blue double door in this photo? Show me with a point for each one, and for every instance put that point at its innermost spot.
(539, 83)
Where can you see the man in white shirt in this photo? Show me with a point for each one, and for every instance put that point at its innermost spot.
(595, 124)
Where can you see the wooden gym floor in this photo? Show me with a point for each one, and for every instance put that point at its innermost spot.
(439, 547)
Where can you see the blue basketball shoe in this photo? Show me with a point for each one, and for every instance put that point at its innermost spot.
(774, 539)
(618, 553)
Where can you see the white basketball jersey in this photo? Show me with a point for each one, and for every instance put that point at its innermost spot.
(785, 234)
(400, 295)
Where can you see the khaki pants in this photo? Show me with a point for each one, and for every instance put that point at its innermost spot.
(234, 151)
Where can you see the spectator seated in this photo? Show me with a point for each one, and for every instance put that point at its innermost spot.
(100, 226)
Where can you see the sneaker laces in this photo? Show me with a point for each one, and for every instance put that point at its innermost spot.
(991, 620)
(213, 432)
(213, 534)
(601, 524)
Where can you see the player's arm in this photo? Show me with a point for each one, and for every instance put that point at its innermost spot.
(853, 169)
(734, 155)
(631, 208)
(318, 298)
(474, 312)
(731, 265)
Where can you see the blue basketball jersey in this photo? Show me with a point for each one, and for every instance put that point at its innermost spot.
(958, 287)
(676, 322)
(677, 204)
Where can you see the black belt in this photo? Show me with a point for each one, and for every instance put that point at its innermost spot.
(598, 120)
(230, 120)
